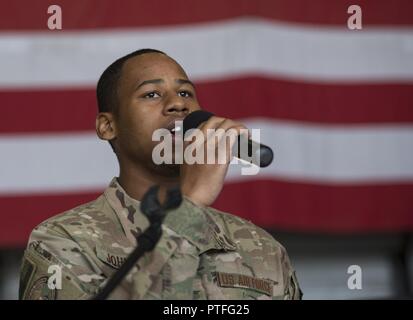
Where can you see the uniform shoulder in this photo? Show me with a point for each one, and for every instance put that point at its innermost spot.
(241, 229)
(87, 214)
(64, 241)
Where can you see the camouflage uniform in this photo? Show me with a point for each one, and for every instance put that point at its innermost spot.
(202, 254)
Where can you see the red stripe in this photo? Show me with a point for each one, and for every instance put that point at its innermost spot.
(23, 213)
(271, 204)
(75, 110)
(325, 208)
(309, 102)
(91, 14)
(48, 111)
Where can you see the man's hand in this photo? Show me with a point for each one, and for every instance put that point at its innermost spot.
(202, 183)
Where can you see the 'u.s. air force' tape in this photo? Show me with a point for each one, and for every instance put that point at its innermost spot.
(235, 280)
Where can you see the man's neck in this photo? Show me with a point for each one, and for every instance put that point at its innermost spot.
(136, 181)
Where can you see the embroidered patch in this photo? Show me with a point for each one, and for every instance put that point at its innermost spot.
(234, 280)
(40, 290)
(28, 270)
(112, 259)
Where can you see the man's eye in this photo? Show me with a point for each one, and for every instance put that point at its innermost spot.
(185, 94)
(151, 95)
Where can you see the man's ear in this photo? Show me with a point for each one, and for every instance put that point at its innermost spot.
(105, 126)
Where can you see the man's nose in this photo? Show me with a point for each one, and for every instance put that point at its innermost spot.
(176, 105)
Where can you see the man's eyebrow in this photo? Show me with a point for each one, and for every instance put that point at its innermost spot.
(156, 81)
(148, 82)
(184, 81)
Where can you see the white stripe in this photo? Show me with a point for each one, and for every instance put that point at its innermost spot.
(212, 50)
(348, 154)
(55, 163)
(322, 154)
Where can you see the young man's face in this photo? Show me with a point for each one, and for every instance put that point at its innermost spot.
(153, 91)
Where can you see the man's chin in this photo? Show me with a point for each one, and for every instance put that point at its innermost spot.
(168, 170)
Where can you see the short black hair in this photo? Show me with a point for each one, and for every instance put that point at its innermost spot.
(106, 90)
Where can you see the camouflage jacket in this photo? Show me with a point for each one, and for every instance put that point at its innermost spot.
(202, 254)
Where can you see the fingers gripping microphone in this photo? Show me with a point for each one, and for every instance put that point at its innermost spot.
(258, 154)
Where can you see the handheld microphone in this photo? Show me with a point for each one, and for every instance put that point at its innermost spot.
(258, 154)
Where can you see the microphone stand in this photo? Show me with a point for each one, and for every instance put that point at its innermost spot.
(155, 212)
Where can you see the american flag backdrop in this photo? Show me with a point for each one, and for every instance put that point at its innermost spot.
(336, 105)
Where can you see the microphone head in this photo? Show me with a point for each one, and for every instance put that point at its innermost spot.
(194, 119)
(265, 153)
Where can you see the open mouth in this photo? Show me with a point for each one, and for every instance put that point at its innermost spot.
(174, 128)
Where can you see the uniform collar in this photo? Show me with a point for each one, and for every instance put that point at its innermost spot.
(188, 221)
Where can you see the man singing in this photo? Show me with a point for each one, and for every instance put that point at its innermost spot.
(202, 254)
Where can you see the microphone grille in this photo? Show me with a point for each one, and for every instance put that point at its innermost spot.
(194, 119)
